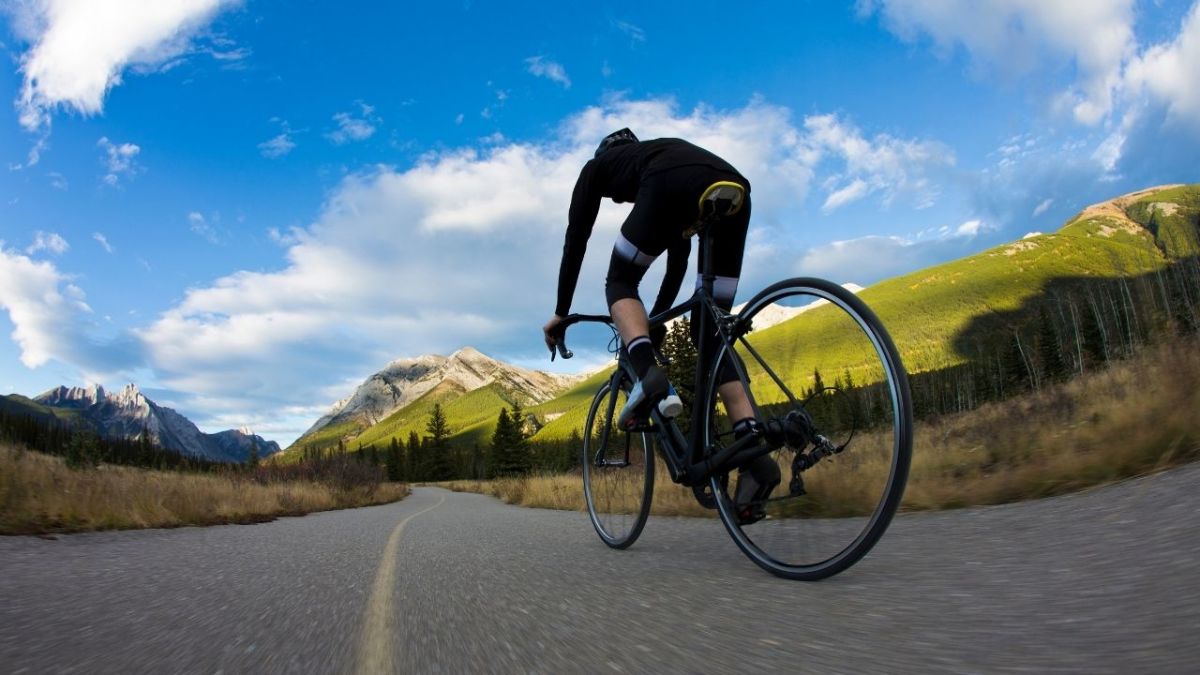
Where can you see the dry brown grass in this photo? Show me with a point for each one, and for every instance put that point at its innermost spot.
(1134, 417)
(39, 494)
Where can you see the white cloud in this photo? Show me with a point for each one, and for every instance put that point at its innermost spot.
(551, 70)
(52, 320)
(883, 164)
(119, 159)
(970, 228)
(1031, 235)
(81, 49)
(1042, 207)
(103, 241)
(57, 180)
(1169, 71)
(1114, 75)
(41, 305)
(48, 241)
(874, 257)
(354, 128)
(1016, 37)
(856, 190)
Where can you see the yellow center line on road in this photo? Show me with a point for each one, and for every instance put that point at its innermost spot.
(375, 646)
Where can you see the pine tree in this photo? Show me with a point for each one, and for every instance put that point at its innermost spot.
(1049, 351)
(394, 461)
(517, 417)
(413, 468)
(510, 451)
(501, 439)
(681, 369)
(437, 454)
(573, 449)
(818, 384)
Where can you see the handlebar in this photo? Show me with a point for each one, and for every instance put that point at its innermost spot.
(560, 331)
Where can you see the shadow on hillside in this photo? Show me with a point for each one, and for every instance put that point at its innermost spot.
(1072, 325)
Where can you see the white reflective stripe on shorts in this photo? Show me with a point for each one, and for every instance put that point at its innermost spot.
(724, 288)
(627, 250)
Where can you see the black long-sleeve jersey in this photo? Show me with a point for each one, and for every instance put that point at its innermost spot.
(618, 175)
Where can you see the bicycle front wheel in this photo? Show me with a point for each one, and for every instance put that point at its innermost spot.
(828, 378)
(618, 471)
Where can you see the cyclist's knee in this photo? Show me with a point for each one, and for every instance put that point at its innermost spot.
(620, 289)
(624, 275)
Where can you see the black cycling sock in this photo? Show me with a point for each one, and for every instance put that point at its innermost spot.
(641, 355)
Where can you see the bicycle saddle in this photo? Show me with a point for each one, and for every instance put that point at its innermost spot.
(719, 200)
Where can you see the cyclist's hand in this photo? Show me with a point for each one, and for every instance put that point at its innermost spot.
(549, 332)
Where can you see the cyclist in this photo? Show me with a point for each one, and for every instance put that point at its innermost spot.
(664, 178)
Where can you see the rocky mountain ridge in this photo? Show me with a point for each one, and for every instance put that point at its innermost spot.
(126, 413)
(405, 380)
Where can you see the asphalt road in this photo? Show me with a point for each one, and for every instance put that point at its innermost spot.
(1104, 581)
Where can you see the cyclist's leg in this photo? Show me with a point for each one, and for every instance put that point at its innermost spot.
(642, 239)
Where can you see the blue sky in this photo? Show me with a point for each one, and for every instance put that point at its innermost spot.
(248, 207)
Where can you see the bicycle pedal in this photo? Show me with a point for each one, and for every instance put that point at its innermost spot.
(705, 496)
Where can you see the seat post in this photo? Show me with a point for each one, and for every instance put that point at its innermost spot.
(707, 278)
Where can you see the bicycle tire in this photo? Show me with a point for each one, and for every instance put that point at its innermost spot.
(797, 522)
(618, 497)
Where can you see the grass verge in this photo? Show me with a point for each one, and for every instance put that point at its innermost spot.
(1134, 417)
(39, 494)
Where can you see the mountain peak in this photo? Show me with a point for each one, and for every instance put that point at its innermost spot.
(468, 352)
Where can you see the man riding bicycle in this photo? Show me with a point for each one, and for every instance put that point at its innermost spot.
(665, 179)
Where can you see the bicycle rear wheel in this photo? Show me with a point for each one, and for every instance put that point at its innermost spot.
(618, 471)
(822, 369)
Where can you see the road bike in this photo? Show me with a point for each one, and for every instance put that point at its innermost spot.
(835, 413)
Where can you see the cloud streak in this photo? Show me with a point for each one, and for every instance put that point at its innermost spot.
(540, 66)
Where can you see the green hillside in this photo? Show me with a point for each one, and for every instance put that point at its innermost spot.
(462, 410)
(18, 406)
